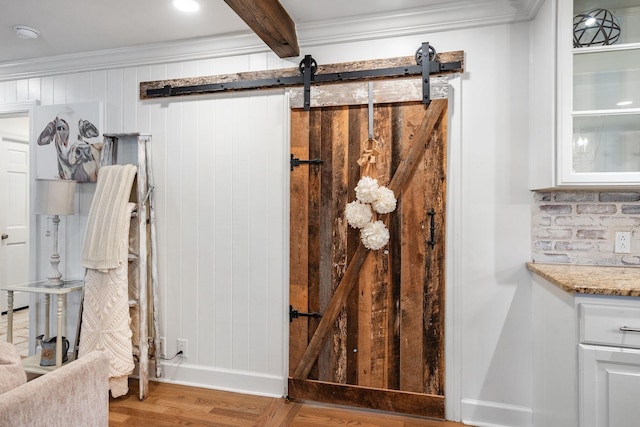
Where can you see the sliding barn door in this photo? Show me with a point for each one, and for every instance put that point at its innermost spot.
(380, 342)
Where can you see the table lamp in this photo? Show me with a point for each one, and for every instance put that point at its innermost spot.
(55, 197)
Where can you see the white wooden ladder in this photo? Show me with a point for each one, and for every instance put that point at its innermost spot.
(118, 149)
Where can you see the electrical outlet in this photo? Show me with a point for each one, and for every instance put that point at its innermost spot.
(623, 242)
(163, 347)
(182, 347)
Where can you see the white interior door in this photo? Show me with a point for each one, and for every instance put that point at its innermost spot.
(14, 217)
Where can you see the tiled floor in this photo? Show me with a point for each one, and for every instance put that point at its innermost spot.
(20, 330)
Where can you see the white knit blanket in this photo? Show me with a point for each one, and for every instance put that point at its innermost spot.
(105, 316)
(100, 250)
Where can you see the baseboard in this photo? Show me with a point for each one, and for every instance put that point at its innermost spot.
(492, 414)
(222, 379)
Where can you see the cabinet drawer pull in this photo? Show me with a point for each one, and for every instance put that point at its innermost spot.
(628, 329)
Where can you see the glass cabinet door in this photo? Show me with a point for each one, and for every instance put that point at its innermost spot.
(601, 142)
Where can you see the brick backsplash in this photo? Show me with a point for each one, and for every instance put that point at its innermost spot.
(577, 227)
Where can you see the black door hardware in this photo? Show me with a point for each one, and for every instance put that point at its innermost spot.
(294, 314)
(295, 162)
(426, 64)
(432, 240)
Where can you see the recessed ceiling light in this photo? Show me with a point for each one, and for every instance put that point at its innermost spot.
(24, 32)
(186, 5)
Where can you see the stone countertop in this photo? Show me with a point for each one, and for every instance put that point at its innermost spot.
(587, 279)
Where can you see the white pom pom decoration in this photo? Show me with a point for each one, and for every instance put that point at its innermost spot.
(357, 214)
(374, 235)
(385, 202)
(367, 189)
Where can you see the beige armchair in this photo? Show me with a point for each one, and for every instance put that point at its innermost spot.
(76, 394)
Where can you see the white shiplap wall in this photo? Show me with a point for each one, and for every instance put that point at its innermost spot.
(221, 174)
(221, 166)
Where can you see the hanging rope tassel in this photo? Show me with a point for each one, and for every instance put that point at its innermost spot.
(368, 157)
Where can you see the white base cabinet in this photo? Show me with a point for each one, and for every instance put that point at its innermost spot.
(609, 386)
(609, 361)
(586, 359)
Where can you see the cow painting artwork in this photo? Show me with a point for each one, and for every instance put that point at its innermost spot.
(77, 154)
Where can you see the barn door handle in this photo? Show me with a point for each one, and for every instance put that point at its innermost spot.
(628, 329)
(294, 314)
(5, 236)
(432, 240)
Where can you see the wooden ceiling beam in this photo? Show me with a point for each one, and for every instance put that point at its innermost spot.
(271, 22)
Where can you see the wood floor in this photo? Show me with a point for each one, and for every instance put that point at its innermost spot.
(176, 405)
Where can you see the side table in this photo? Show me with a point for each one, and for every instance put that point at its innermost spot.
(32, 363)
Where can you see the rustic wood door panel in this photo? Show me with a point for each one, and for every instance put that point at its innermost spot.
(382, 337)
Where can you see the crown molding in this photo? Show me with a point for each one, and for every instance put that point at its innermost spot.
(183, 50)
(448, 17)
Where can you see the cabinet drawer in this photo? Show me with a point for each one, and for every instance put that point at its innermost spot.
(600, 325)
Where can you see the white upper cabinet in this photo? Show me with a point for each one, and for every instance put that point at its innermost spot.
(596, 137)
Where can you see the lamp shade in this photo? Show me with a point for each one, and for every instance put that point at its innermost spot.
(55, 196)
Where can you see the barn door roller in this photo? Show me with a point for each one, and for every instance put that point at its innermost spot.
(426, 64)
(426, 57)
